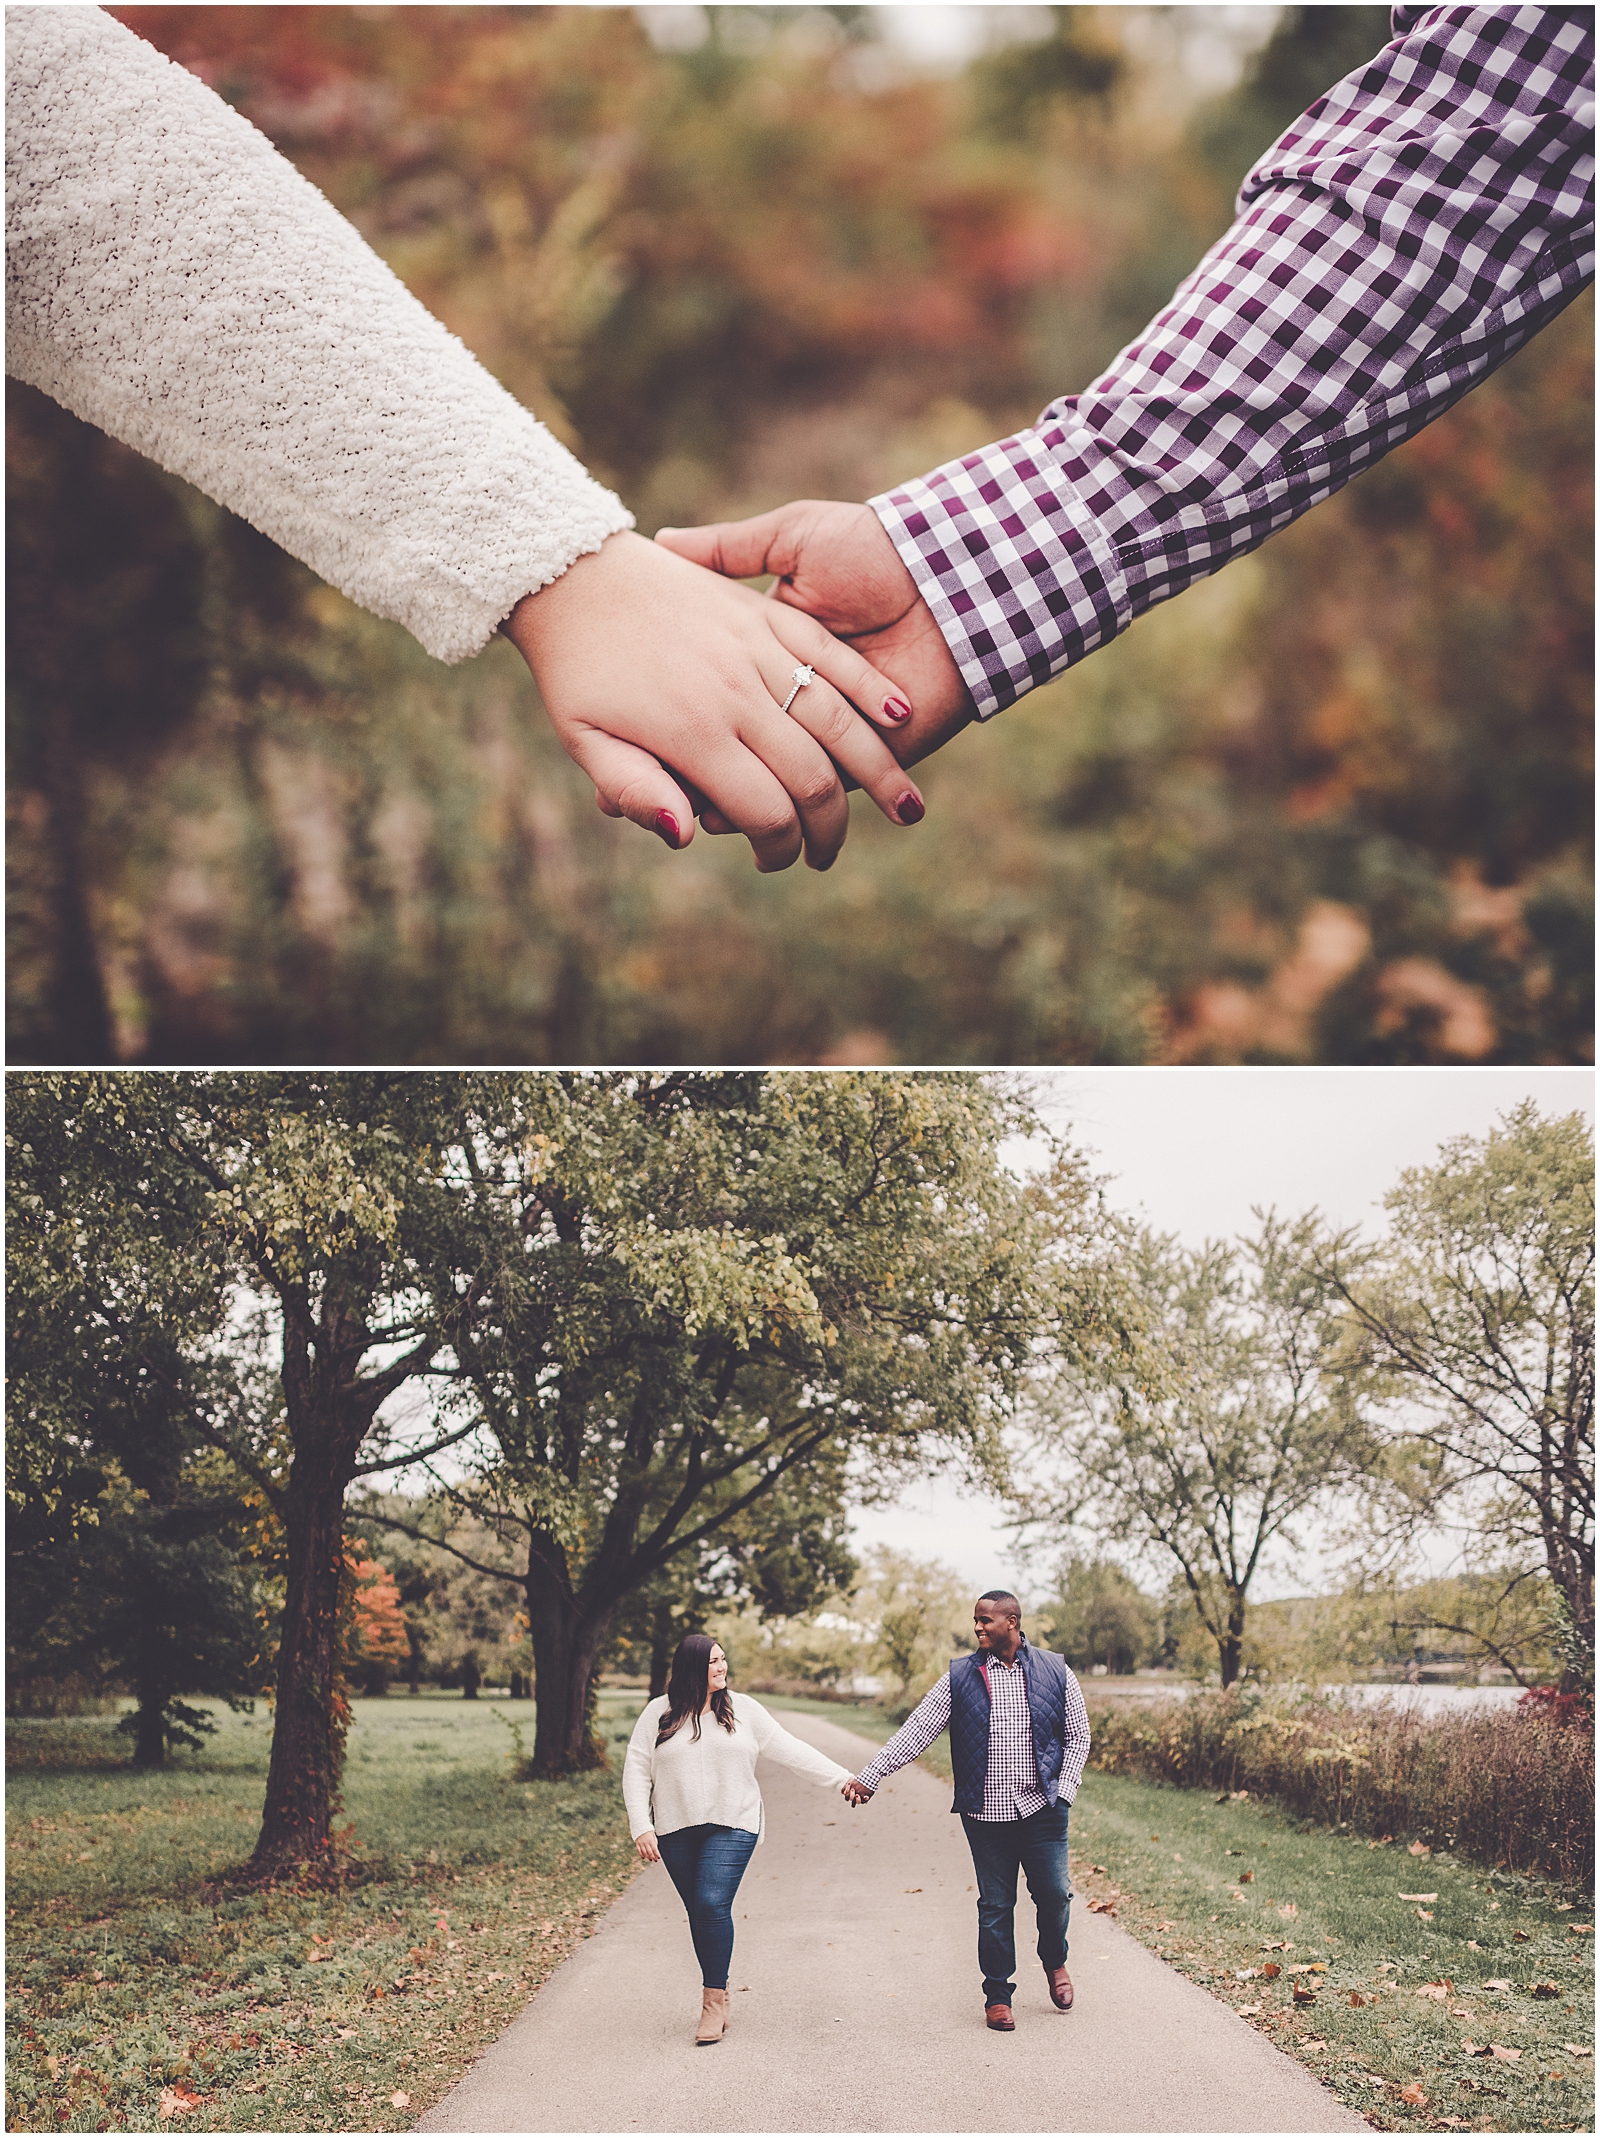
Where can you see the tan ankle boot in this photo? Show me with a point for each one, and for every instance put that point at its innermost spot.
(713, 2017)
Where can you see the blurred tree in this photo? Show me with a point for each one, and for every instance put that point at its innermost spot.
(1477, 1310)
(1102, 1618)
(920, 1613)
(376, 1639)
(721, 1280)
(239, 1247)
(1227, 1426)
(779, 1558)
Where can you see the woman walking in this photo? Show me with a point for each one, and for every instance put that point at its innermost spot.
(694, 1752)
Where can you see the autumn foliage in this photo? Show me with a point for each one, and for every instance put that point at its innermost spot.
(1331, 806)
(1505, 1788)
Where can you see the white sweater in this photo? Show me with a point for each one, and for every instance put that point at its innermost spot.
(711, 1782)
(174, 280)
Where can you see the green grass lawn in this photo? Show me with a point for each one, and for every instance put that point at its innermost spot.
(1222, 1891)
(135, 1966)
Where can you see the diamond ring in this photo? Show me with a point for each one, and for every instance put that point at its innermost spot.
(802, 676)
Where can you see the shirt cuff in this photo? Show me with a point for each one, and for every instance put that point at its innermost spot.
(1014, 568)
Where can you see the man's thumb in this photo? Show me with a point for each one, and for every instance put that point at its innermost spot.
(739, 549)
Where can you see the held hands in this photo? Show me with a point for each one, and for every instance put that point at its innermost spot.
(664, 683)
(645, 1843)
(836, 563)
(855, 1792)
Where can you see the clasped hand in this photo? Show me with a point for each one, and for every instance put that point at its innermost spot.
(664, 682)
(664, 678)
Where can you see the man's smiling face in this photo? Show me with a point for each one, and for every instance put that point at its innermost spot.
(992, 1624)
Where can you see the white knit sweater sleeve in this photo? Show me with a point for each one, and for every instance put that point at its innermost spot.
(174, 280)
(788, 1750)
(637, 1767)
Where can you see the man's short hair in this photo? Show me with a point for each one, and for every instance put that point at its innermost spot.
(1001, 1596)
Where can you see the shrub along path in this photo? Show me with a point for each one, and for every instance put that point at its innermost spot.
(856, 2006)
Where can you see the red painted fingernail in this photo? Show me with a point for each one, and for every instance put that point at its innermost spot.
(897, 708)
(667, 827)
(908, 809)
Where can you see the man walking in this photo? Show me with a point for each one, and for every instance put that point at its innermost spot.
(1019, 1735)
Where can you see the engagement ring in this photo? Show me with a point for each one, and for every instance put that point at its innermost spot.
(802, 676)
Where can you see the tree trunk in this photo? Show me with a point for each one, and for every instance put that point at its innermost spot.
(150, 1731)
(312, 1710)
(1231, 1645)
(565, 1644)
(661, 1648)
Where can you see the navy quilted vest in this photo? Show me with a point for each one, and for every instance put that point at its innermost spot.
(1046, 1675)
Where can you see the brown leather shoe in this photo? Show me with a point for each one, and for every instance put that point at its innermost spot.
(1060, 1988)
(999, 2017)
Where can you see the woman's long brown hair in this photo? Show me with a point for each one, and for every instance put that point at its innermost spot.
(687, 1687)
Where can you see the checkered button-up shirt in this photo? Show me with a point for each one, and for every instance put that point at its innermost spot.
(1011, 1781)
(1398, 243)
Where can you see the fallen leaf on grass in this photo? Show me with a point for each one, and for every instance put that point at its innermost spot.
(1288, 1911)
(52, 2064)
(176, 2101)
(1271, 1971)
(1102, 1907)
(1419, 1848)
(345, 2034)
(1357, 2000)
(1413, 2096)
(1521, 1936)
(1438, 1991)
(1546, 1989)
(1309, 1967)
(1246, 1878)
(1424, 1915)
(1419, 1896)
(1563, 1907)
(1581, 1927)
(1506, 2056)
(1573, 2049)
(399, 2100)
(1312, 2041)
(1473, 1945)
(1370, 2078)
(1498, 1982)
(1460, 2011)
(1247, 2011)
(1304, 1993)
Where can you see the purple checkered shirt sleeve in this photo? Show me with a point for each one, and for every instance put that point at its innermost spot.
(930, 1715)
(1401, 240)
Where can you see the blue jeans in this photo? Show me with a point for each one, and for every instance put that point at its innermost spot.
(1037, 1846)
(706, 1863)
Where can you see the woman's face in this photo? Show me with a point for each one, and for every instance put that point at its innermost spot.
(718, 1672)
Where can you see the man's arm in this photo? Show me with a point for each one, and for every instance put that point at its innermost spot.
(1398, 243)
(912, 1739)
(1075, 1738)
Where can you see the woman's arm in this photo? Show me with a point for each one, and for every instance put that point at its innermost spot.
(775, 1742)
(637, 1768)
(173, 279)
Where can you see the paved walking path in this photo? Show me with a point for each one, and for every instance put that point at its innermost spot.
(856, 2005)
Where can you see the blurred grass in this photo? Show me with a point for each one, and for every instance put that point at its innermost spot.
(136, 1963)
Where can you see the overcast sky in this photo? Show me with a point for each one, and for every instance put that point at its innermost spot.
(1191, 1150)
